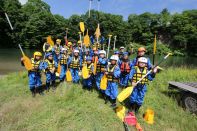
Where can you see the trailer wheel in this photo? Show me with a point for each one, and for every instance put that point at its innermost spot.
(190, 102)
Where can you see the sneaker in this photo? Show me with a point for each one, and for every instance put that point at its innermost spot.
(33, 94)
(113, 105)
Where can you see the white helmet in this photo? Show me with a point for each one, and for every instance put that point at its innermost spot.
(114, 57)
(122, 47)
(143, 59)
(64, 49)
(102, 52)
(76, 51)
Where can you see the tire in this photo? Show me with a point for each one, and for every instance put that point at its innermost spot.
(190, 102)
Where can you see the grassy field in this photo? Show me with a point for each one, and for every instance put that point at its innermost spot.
(72, 108)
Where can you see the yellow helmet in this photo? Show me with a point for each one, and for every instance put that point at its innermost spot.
(79, 42)
(58, 40)
(69, 43)
(37, 53)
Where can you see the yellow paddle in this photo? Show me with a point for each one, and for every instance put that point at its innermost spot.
(87, 40)
(50, 41)
(127, 92)
(103, 83)
(26, 60)
(85, 73)
(68, 75)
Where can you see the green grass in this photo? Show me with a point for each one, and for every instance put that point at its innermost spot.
(72, 108)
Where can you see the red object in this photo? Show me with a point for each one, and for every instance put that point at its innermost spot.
(125, 67)
(138, 127)
(66, 41)
(130, 119)
(94, 58)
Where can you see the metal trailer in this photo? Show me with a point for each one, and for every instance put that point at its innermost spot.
(189, 94)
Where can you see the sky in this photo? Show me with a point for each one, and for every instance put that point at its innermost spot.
(67, 8)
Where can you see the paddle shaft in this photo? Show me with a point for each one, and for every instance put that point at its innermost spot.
(81, 41)
(108, 46)
(21, 49)
(9, 21)
(153, 59)
(13, 29)
(115, 42)
(90, 4)
(154, 67)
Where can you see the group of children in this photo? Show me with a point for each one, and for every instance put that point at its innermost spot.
(119, 69)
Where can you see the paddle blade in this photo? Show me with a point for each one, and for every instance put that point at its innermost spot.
(27, 63)
(125, 94)
(82, 26)
(86, 40)
(120, 112)
(85, 72)
(97, 33)
(103, 83)
(155, 45)
(50, 41)
(68, 76)
(59, 68)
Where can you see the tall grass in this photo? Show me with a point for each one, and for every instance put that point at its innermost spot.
(169, 116)
(68, 108)
(72, 108)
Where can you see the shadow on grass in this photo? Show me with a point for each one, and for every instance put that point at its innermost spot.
(175, 95)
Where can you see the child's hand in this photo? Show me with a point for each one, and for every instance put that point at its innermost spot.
(106, 73)
(155, 70)
(134, 84)
(52, 70)
(22, 59)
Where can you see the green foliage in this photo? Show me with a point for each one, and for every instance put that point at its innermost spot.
(34, 21)
(161, 48)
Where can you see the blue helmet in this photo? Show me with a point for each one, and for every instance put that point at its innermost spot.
(87, 50)
(116, 52)
(89, 58)
(48, 54)
(125, 53)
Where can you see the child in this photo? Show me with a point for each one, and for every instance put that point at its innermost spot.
(50, 67)
(137, 96)
(121, 49)
(56, 50)
(141, 52)
(100, 68)
(117, 53)
(113, 74)
(75, 66)
(64, 62)
(87, 83)
(125, 68)
(34, 75)
(85, 55)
